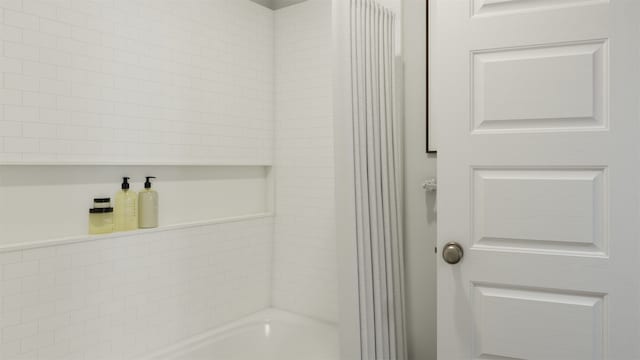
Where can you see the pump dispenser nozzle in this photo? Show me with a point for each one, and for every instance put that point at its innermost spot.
(147, 184)
(125, 183)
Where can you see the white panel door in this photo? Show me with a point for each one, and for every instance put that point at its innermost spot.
(537, 105)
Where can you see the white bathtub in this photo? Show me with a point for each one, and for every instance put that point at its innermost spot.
(267, 335)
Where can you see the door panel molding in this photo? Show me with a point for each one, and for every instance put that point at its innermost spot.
(502, 7)
(542, 88)
(560, 210)
(561, 324)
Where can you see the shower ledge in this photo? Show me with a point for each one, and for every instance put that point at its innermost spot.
(87, 238)
(133, 163)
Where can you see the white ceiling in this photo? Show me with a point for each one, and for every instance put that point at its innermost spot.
(277, 4)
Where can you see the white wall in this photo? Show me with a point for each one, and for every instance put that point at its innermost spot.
(132, 82)
(305, 274)
(136, 81)
(116, 298)
(174, 83)
(420, 226)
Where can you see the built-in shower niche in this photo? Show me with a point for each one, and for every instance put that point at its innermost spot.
(49, 204)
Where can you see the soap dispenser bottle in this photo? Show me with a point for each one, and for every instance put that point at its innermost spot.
(126, 208)
(148, 203)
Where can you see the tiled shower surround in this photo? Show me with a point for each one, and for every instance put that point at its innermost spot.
(178, 82)
(136, 80)
(305, 269)
(119, 297)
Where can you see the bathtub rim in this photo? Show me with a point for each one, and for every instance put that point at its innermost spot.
(259, 318)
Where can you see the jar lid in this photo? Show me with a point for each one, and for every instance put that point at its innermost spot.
(102, 200)
(101, 210)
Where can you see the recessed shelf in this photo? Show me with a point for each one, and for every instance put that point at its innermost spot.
(51, 201)
(86, 238)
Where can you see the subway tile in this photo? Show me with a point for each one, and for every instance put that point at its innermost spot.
(20, 82)
(38, 311)
(9, 287)
(85, 90)
(10, 65)
(51, 116)
(42, 9)
(53, 322)
(20, 113)
(55, 57)
(10, 128)
(20, 19)
(85, 147)
(10, 97)
(10, 33)
(56, 87)
(38, 283)
(54, 27)
(55, 146)
(39, 39)
(38, 254)
(22, 269)
(51, 265)
(10, 349)
(17, 301)
(86, 35)
(10, 317)
(10, 257)
(38, 341)
(37, 130)
(72, 132)
(20, 145)
(74, 47)
(40, 157)
(37, 69)
(100, 52)
(72, 17)
(18, 332)
(40, 100)
(20, 51)
(58, 350)
(66, 4)
(89, 120)
(11, 4)
(101, 134)
(10, 157)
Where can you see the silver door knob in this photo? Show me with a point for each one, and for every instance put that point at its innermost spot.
(452, 253)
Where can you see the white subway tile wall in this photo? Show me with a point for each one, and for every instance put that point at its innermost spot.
(118, 298)
(172, 81)
(136, 81)
(305, 263)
